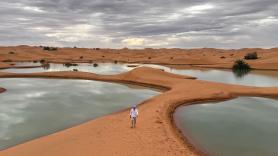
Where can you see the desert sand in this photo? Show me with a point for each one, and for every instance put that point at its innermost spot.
(155, 133)
(205, 57)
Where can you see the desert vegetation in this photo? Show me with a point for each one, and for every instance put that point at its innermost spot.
(42, 61)
(241, 68)
(251, 56)
(50, 48)
(70, 64)
(8, 60)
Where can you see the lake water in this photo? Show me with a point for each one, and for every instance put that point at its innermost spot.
(102, 68)
(36, 107)
(246, 126)
(254, 78)
(243, 126)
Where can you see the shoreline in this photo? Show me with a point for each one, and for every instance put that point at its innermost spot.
(182, 136)
(154, 79)
(197, 149)
(158, 135)
(174, 66)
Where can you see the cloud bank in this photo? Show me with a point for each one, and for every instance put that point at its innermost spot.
(140, 23)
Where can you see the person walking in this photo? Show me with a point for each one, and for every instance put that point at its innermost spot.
(133, 116)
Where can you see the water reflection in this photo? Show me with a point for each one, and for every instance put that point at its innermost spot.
(241, 72)
(30, 103)
(46, 66)
(252, 78)
(101, 68)
(245, 126)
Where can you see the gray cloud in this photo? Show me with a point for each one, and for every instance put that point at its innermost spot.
(140, 23)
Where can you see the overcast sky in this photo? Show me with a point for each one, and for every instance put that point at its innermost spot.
(140, 23)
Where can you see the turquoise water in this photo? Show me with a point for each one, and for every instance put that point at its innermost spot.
(36, 107)
(246, 126)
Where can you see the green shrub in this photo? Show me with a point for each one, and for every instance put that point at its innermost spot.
(42, 61)
(50, 48)
(8, 60)
(241, 65)
(70, 64)
(241, 68)
(251, 56)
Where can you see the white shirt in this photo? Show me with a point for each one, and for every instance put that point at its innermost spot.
(133, 113)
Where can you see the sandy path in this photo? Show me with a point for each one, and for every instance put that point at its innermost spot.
(154, 135)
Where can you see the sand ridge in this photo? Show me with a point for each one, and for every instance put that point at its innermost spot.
(154, 135)
(204, 57)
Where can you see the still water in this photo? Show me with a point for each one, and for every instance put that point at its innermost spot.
(246, 126)
(254, 78)
(101, 68)
(36, 107)
(243, 126)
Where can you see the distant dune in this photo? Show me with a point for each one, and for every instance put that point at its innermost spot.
(205, 57)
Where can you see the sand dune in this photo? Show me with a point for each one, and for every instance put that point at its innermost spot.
(205, 57)
(155, 134)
